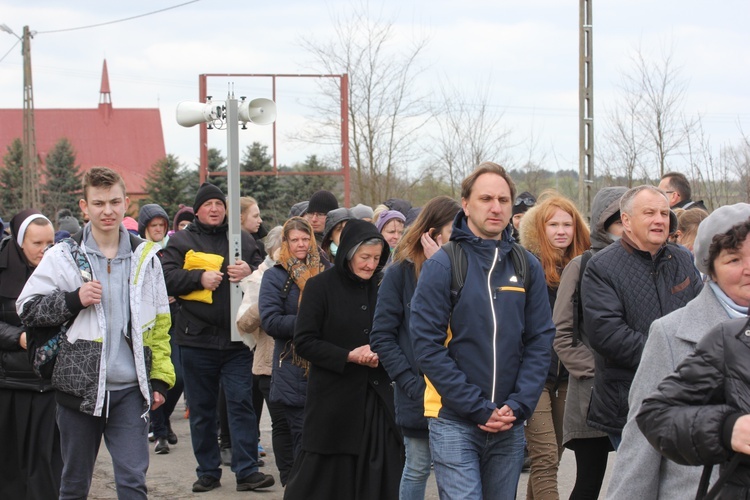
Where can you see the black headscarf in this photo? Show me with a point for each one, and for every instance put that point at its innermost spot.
(354, 234)
(14, 268)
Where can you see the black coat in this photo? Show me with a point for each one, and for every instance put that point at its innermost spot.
(15, 368)
(198, 324)
(691, 416)
(623, 291)
(335, 317)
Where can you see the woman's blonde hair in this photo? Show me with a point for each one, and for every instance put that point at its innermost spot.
(245, 203)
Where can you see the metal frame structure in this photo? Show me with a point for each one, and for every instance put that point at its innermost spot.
(344, 171)
(585, 107)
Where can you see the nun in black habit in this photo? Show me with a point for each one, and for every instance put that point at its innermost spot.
(30, 461)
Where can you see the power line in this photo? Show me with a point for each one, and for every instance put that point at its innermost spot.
(10, 50)
(118, 20)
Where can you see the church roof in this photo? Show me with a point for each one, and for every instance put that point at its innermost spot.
(128, 140)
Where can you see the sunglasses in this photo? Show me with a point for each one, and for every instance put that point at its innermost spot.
(526, 201)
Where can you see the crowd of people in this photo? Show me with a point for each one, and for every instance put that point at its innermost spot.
(462, 339)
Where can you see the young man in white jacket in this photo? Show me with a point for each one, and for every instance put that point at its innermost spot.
(114, 362)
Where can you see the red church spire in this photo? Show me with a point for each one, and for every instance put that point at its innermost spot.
(105, 97)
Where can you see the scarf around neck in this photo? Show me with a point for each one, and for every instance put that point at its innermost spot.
(732, 309)
(301, 271)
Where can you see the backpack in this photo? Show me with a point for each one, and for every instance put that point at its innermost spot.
(577, 302)
(460, 265)
(44, 342)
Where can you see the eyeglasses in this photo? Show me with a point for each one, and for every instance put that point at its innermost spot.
(669, 192)
(529, 202)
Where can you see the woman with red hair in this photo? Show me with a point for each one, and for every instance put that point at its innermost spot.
(555, 232)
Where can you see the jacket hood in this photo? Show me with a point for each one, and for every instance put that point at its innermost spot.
(355, 232)
(184, 213)
(461, 231)
(147, 214)
(606, 203)
(528, 233)
(333, 218)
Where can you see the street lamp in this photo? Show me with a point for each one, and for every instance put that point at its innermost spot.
(229, 115)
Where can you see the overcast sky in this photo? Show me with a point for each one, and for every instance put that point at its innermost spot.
(526, 50)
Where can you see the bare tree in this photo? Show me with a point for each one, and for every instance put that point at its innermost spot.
(710, 177)
(470, 131)
(662, 90)
(385, 113)
(738, 158)
(648, 125)
(625, 150)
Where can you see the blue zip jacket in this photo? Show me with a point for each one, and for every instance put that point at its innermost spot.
(391, 340)
(498, 347)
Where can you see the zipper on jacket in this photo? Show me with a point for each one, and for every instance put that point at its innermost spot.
(494, 326)
(109, 267)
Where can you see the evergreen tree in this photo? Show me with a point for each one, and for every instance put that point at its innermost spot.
(217, 163)
(264, 188)
(62, 186)
(301, 187)
(168, 184)
(11, 180)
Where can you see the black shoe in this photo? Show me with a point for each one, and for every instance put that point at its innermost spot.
(162, 446)
(260, 463)
(151, 437)
(226, 456)
(206, 483)
(254, 481)
(171, 436)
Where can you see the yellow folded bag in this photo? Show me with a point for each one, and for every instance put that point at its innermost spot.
(207, 262)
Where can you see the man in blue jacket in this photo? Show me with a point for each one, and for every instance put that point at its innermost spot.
(485, 358)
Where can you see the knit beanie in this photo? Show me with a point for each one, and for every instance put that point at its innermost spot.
(719, 222)
(362, 212)
(523, 203)
(387, 216)
(208, 192)
(69, 224)
(322, 202)
(147, 214)
(184, 213)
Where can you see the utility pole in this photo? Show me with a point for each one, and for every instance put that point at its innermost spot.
(30, 194)
(585, 107)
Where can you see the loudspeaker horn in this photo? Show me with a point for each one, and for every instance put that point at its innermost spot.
(191, 113)
(258, 111)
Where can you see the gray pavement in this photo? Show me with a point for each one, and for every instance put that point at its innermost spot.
(171, 476)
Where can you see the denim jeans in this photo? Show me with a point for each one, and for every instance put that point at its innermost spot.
(203, 369)
(416, 468)
(125, 434)
(473, 464)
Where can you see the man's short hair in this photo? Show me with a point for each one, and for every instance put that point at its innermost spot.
(486, 167)
(679, 183)
(626, 202)
(101, 177)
